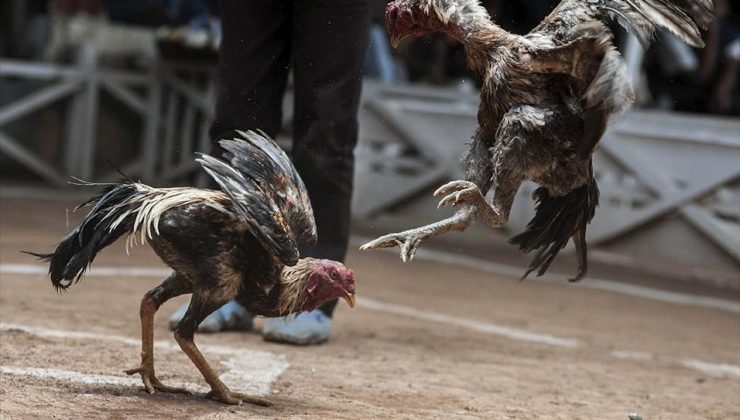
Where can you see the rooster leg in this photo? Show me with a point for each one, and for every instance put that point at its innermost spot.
(201, 305)
(174, 285)
(507, 174)
(410, 240)
(581, 249)
(459, 192)
(494, 215)
(479, 173)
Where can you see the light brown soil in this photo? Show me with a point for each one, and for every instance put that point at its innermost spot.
(377, 365)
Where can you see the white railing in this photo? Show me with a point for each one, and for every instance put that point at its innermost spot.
(670, 183)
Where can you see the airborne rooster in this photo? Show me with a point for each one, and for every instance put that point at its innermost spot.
(239, 243)
(545, 103)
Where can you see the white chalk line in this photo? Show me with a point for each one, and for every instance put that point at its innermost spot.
(478, 264)
(459, 260)
(473, 325)
(29, 269)
(632, 355)
(470, 324)
(722, 370)
(445, 258)
(716, 369)
(70, 376)
(713, 369)
(249, 371)
(427, 254)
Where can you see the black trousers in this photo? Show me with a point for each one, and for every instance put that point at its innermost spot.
(324, 41)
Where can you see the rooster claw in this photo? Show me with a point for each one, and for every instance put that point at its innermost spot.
(458, 192)
(408, 241)
(386, 241)
(581, 274)
(152, 384)
(235, 398)
(453, 186)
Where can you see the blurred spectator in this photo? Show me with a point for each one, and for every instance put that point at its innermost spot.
(73, 7)
(155, 12)
(704, 80)
(380, 63)
(23, 28)
(435, 59)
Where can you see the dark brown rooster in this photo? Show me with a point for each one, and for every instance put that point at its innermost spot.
(545, 102)
(238, 243)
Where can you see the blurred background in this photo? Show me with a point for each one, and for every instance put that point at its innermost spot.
(88, 86)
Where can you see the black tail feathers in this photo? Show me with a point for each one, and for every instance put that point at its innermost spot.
(557, 219)
(78, 249)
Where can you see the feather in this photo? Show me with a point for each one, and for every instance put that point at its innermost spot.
(608, 94)
(128, 208)
(255, 207)
(683, 18)
(259, 157)
(567, 66)
(556, 220)
(266, 192)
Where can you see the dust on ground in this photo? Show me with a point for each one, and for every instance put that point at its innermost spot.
(378, 364)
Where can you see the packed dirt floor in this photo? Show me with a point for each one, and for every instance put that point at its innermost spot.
(426, 340)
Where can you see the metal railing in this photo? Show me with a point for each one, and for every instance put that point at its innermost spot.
(670, 183)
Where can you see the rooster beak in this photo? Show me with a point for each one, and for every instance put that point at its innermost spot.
(396, 39)
(350, 298)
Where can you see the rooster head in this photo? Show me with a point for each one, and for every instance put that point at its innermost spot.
(407, 18)
(313, 282)
(331, 280)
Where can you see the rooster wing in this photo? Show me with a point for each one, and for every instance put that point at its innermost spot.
(683, 18)
(266, 191)
(576, 40)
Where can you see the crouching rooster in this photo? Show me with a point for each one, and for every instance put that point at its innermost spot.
(545, 102)
(238, 243)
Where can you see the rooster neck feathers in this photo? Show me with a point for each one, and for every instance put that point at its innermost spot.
(469, 16)
(468, 21)
(293, 297)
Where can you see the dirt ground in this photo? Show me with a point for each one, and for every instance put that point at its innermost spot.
(429, 341)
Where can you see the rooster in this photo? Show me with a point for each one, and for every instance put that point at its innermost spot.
(238, 243)
(546, 100)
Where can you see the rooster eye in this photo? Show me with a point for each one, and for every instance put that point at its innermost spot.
(333, 275)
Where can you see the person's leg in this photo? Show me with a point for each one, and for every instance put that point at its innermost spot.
(253, 66)
(329, 44)
(253, 70)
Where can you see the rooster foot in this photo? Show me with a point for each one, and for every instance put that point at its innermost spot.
(151, 383)
(226, 396)
(408, 241)
(459, 192)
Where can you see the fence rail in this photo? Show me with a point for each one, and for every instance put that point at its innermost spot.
(670, 183)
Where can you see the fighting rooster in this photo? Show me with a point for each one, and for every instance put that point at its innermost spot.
(238, 243)
(545, 102)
